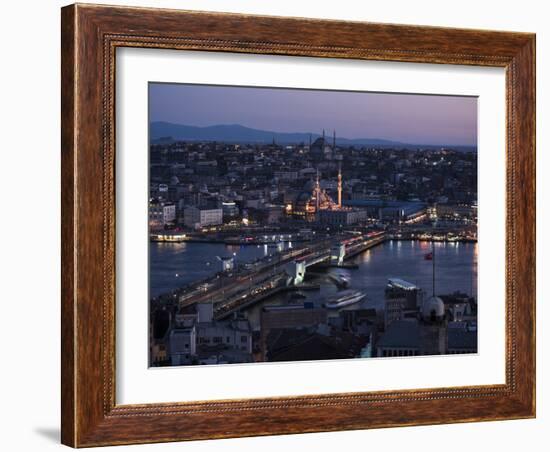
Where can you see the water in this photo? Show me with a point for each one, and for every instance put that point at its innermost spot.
(176, 264)
(456, 267)
(173, 265)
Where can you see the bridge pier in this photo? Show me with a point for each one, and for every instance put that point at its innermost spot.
(338, 254)
(296, 271)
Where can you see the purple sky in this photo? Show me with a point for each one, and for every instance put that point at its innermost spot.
(415, 119)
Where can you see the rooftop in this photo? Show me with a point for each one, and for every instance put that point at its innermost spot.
(384, 203)
(401, 334)
(401, 284)
(462, 339)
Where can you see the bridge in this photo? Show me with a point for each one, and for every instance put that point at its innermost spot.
(233, 290)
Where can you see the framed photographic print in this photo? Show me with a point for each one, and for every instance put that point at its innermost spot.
(282, 225)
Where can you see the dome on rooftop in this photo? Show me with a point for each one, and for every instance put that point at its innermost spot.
(433, 309)
(309, 186)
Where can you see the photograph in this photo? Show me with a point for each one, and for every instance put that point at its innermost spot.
(291, 224)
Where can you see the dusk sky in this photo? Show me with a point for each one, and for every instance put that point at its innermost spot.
(413, 119)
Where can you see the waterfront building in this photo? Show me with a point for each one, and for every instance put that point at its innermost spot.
(161, 213)
(391, 211)
(456, 211)
(342, 216)
(403, 212)
(230, 209)
(196, 217)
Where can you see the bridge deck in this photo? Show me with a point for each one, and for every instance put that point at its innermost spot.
(260, 279)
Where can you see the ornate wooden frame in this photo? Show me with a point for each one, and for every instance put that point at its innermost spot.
(90, 35)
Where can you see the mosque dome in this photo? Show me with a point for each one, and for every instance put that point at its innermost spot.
(309, 186)
(319, 143)
(302, 200)
(433, 309)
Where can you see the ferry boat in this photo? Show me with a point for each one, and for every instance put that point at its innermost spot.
(341, 281)
(345, 299)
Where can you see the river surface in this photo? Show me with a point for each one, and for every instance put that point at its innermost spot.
(174, 265)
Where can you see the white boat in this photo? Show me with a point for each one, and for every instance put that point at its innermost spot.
(345, 299)
(341, 281)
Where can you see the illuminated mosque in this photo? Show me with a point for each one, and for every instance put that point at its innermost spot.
(311, 202)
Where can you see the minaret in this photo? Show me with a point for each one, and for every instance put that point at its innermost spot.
(323, 136)
(318, 192)
(310, 141)
(340, 185)
(433, 268)
(333, 140)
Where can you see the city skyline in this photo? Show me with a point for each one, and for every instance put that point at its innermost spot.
(407, 118)
(280, 247)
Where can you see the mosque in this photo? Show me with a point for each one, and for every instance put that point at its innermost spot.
(313, 200)
(320, 149)
(315, 204)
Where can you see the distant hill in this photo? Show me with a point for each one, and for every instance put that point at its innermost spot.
(165, 132)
